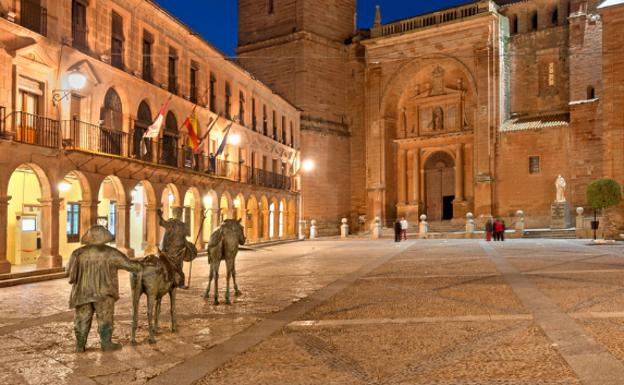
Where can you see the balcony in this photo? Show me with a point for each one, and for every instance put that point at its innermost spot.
(33, 16)
(77, 135)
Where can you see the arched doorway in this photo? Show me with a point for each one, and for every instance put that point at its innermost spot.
(440, 186)
(282, 219)
(192, 213)
(142, 148)
(110, 197)
(292, 219)
(170, 141)
(141, 219)
(210, 201)
(111, 115)
(273, 219)
(225, 207)
(251, 226)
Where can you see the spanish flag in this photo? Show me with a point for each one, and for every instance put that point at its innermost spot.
(193, 134)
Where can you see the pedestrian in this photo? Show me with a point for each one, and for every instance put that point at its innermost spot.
(213, 163)
(397, 231)
(502, 233)
(488, 230)
(498, 226)
(404, 227)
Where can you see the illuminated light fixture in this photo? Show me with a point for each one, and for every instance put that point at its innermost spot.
(308, 165)
(170, 198)
(237, 202)
(234, 139)
(76, 80)
(64, 186)
(207, 201)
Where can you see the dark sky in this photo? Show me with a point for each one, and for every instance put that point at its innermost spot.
(217, 20)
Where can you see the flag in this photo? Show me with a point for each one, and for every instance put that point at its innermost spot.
(211, 123)
(191, 127)
(225, 137)
(153, 131)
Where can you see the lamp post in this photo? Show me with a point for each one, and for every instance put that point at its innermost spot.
(76, 81)
(306, 166)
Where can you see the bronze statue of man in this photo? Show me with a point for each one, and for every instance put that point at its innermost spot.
(95, 288)
(174, 244)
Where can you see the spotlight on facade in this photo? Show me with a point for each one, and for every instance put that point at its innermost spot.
(207, 201)
(170, 198)
(308, 165)
(234, 139)
(64, 186)
(76, 80)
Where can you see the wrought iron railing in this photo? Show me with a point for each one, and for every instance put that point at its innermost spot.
(35, 129)
(33, 16)
(269, 179)
(80, 135)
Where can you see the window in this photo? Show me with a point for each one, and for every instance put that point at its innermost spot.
(241, 108)
(283, 130)
(254, 120)
(554, 17)
(112, 217)
(270, 6)
(173, 71)
(193, 81)
(73, 222)
(591, 92)
(514, 24)
(79, 24)
(551, 74)
(274, 125)
(33, 16)
(148, 41)
(534, 165)
(265, 129)
(213, 93)
(228, 101)
(292, 135)
(534, 23)
(117, 41)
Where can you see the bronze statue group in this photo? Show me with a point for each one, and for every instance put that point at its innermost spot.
(92, 271)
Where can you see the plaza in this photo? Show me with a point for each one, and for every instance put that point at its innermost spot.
(353, 312)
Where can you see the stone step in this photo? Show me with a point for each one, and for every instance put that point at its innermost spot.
(32, 273)
(550, 234)
(32, 279)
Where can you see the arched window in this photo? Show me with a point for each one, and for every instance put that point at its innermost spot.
(513, 24)
(142, 148)
(534, 21)
(170, 141)
(554, 17)
(591, 92)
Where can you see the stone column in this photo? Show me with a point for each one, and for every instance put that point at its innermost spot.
(402, 176)
(50, 256)
(5, 266)
(459, 172)
(88, 215)
(151, 229)
(415, 198)
(122, 236)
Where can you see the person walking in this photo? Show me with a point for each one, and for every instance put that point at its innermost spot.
(488, 230)
(397, 231)
(498, 225)
(404, 227)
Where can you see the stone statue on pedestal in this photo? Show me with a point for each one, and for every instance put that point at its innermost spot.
(92, 273)
(560, 185)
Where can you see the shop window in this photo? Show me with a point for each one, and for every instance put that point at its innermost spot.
(73, 222)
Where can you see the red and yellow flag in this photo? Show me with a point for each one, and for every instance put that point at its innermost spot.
(193, 133)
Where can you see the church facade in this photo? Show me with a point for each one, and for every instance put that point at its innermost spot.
(477, 108)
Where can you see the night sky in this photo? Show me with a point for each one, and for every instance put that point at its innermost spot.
(216, 20)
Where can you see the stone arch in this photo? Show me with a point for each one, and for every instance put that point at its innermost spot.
(263, 222)
(143, 221)
(273, 218)
(292, 218)
(210, 203)
(252, 225)
(142, 148)
(193, 213)
(111, 112)
(225, 206)
(170, 198)
(75, 204)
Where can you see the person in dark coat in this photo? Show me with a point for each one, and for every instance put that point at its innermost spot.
(488, 230)
(397, 231)
(498, 229)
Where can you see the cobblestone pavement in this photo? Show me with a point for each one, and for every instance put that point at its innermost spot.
(353, 312)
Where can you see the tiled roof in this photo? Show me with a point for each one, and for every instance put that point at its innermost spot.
(524, 124)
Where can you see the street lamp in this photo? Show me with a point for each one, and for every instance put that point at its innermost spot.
(76, 81)
(307, 165)
(234, 139)
(64, 186)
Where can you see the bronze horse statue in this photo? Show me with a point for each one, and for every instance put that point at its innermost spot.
(223, 245)
(156, 281)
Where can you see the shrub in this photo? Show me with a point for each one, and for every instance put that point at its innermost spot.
(604, 193)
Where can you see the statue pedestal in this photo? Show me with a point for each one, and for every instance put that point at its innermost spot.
(560, 215)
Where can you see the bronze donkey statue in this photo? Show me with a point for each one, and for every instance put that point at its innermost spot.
(223, 245)
(156, 281)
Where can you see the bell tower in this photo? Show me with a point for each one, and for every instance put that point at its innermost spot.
(300, 48)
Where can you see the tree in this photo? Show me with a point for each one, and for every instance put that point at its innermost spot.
(602, 194)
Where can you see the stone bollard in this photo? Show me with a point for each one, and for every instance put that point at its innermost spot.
(470, 223)
(520, 222)
(344, 229)
(312, 229)
(377, 229)
(423, 226)
(580, 222)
